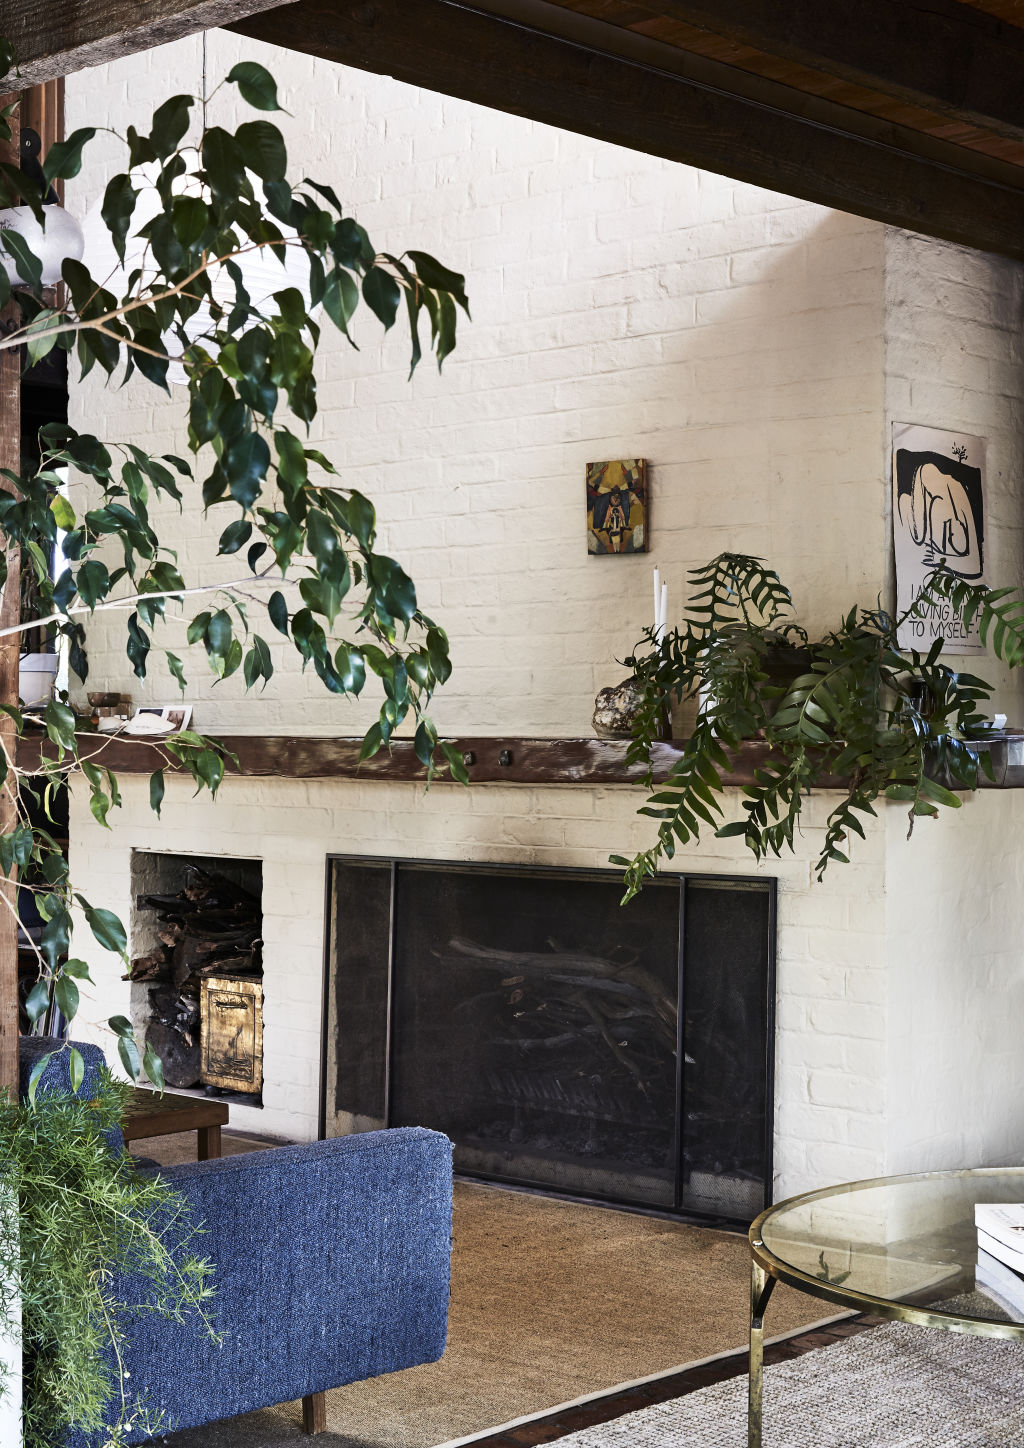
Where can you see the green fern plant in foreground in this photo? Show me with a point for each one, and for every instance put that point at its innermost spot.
(79, 1229)
(849, 706)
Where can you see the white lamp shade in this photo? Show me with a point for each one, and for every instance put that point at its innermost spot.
(59, 240)
(262, 271)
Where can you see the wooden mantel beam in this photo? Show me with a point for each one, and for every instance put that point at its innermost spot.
(701, 113)
(56, 39)
(947, 57)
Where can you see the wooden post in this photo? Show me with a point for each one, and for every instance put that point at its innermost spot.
(10, 611)
(42, 108)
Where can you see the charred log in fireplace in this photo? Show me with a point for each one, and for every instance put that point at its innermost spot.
(211, 928)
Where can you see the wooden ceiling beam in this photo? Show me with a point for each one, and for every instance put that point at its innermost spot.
(67, 35)
(943, 56)
(511, 66)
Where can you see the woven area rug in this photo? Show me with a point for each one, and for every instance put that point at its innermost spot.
(894, 1387)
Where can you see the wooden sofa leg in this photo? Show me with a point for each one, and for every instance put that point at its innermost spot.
(314, 1413)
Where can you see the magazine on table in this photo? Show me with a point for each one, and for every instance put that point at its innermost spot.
(995, 1248)
(1003, 1221)
(999, 1282)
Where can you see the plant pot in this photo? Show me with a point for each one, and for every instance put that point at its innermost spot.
(36, 675)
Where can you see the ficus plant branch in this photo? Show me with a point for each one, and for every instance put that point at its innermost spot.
(313, 576)
(850, 708)
(249, 367)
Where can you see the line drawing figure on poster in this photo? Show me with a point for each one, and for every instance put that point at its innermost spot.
(938, 516)
(939, 504)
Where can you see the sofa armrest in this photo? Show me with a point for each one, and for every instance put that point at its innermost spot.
(331, 1265)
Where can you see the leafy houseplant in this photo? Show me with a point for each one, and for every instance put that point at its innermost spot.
(88, 1226)
(312, 569)
(849, 708)
(187, 215)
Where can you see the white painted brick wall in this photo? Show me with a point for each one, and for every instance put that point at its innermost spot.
(621, 305)
(755, 349)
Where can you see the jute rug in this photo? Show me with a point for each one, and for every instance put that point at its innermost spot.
(551, 1301)
(896, 1386)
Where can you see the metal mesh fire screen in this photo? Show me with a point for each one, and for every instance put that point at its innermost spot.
(561, 1040)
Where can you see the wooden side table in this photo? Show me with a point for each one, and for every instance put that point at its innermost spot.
(151, 1115)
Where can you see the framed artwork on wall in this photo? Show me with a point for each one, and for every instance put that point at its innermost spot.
(938, 513)
(618, 508)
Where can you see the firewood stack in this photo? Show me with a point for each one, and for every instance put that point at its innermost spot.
(211, 927)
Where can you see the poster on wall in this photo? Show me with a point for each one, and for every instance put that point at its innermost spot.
(938, 489)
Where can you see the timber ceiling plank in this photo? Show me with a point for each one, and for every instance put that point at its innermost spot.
(654, 22)
(509, 66)
(955, 59)
(51, 40)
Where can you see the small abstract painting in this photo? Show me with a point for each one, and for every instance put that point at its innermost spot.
(617, 507)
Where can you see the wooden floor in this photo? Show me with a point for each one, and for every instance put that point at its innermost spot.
(662, 1390)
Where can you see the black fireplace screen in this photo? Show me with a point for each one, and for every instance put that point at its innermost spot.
(559, 1039)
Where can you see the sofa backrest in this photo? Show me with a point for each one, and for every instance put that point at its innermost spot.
(56, 1075)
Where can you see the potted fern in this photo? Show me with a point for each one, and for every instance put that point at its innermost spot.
(848, 709)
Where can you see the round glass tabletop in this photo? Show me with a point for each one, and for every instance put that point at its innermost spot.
(900, 1247)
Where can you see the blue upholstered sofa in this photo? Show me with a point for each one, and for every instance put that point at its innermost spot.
(331, 1265)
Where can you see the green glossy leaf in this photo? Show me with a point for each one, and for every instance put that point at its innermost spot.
(264, 149)
(154, 1068)
(190, 216)
(170, 123)
(256, 85)
(35, 1075)
(129, 1053)
(106, 928)
(37, 1002)
(65, 993)
(235, 536)
(63, 513)
(382, 295)
(117, 210)
(29, 267)
(277, 609)
(219, 633)
(63, 160)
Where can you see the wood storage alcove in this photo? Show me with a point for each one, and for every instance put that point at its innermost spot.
(197, 969)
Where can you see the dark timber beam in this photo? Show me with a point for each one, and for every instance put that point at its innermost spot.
(512, 66)
(938, 54)
(51, 40)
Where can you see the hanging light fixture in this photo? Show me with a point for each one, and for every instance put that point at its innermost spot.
(52, 242)
(262, 270)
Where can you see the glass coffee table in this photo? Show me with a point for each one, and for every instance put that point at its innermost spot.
(898, 1247)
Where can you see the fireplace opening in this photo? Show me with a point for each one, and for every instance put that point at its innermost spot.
(197, 970)
(560, 1040)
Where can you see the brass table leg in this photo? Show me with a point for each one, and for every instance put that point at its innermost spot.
(761, 1285)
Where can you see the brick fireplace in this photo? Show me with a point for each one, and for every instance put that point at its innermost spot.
(894, 1049)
